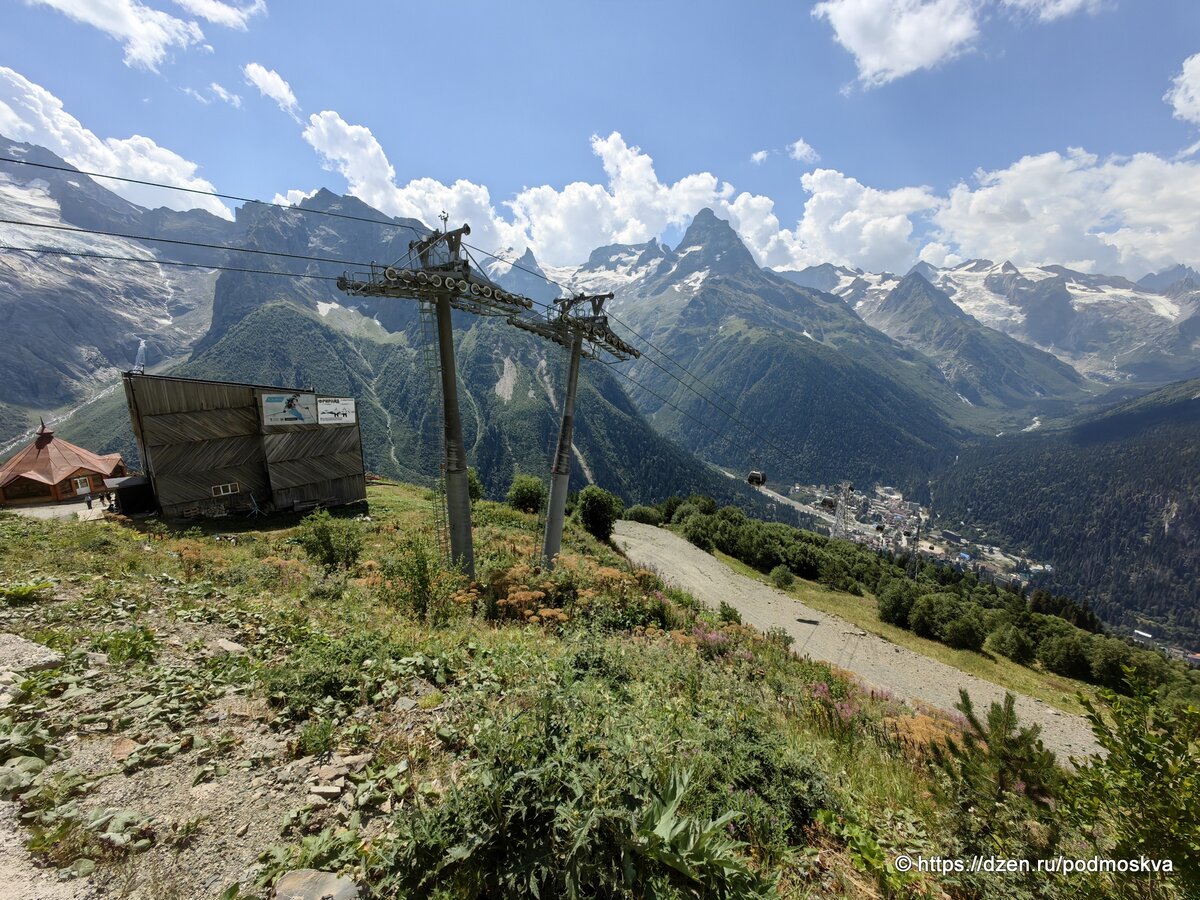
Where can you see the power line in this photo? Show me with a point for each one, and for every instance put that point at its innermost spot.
(200, 191)
(390, 223)
(700, 422)
(159, 240)
(163, 262)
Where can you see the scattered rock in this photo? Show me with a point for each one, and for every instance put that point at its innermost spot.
(326, 791)
(96, 658)
(405, 704)
(18, 654)
(122, 747)
(357, 762)
(228, 646)
(309, 884)
(241, 832)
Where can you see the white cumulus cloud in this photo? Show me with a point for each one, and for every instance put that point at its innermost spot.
(801, 150)
(227, 14)
(758, 157)
(272, 86)
(1184, 95)
(1049, 10)
(147, 34)
(893, 38)
(30, 113)
(1121, 215)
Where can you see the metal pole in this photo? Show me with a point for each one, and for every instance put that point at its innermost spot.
(458, 492)
(560, 470)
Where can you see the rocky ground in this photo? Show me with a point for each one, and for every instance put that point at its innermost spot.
(824, 637)
(163, 780)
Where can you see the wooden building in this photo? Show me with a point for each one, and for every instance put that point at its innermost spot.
(51, 470)
(211, 448)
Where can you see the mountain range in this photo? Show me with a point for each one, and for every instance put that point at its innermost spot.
(819, 375)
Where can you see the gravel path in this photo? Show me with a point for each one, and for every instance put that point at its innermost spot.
(829, 638)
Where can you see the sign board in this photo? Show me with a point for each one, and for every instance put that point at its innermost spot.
(289, 409)
(335, 410)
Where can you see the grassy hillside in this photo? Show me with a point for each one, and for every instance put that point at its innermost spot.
(234, 710)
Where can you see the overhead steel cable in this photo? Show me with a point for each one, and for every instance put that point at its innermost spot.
(204, 193)
(163, 262)
(723, 436)
(183, 243)
(393, 224)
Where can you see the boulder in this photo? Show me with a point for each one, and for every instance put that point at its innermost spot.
(310, 884)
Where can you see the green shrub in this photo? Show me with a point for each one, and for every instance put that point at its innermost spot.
(130, 645)
(416, 581)
(948, 618)
(23, 593)
(729, 614)
(647, 515)
(527, 494)
(474, 485)
(599, 510)
(1000, 783)
(1065, 654)
(1010, 641)
(699, 530)
(1142, 798)
(895, 602)
(682, 513)
(782, 577)
(331, 542)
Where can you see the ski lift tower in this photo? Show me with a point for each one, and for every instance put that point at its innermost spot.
(570, 325)
(437, 274)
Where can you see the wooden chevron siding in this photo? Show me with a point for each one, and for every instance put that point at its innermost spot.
(182, 428)
(308, 442)
(217, 453)
(193, 435)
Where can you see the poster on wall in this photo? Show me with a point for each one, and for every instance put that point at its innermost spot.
(289, 409)
(335, 410)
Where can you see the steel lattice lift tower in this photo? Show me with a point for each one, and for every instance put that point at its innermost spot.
(572, 329)
(438, 274)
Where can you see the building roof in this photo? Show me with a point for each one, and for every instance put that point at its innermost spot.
(50, 459)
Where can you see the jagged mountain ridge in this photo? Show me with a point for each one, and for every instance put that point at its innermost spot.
(983, 365)
(1107, 327)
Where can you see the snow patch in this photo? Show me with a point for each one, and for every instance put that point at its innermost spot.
(1034, 425)
(325, 308)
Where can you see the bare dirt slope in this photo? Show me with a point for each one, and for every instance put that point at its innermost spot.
(821, 636)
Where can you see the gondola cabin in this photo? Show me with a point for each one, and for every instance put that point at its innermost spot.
(756, 478)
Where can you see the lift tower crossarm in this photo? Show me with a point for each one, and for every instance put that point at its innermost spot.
(571, 330)
(440, 277)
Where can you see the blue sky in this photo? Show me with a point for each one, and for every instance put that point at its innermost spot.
(1036, 129)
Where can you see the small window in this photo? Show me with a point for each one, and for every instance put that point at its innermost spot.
(223, 490)
(81, 485)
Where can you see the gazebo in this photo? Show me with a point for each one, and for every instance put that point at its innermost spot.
(51, 470)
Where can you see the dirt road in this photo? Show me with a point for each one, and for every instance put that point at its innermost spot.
(821, 636)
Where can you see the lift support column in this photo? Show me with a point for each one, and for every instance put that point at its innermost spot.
(458, 491)
(560, 469)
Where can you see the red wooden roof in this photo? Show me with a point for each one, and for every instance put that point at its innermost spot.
(49, 460)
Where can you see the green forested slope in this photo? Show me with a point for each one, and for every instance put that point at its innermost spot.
(1112, 502)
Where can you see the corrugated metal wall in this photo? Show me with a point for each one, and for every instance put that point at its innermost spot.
(194, 434)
